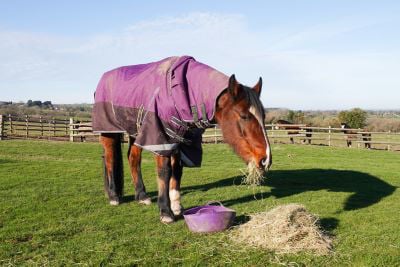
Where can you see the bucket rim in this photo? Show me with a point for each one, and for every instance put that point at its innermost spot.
(207, 209)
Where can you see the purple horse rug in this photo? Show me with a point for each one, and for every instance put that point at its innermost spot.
(164, 105)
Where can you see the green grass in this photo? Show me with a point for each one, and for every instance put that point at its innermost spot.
(53, 210)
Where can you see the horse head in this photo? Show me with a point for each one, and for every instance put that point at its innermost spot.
(240, 114)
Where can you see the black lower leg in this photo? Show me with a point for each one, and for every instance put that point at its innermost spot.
(140, 189)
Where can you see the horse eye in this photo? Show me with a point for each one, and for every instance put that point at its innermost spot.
(244, 116)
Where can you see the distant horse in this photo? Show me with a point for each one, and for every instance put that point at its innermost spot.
(366, 137)
(352, 135)
(82, 129)
(293, 130)
(164, 107)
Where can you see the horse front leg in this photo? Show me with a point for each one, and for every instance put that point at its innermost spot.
(175, 185)
(113, 171)
(164, 172)
(135, 159)
(348, 143)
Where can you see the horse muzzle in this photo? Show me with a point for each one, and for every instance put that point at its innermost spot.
(266, 163)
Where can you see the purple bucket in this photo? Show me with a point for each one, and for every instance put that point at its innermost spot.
(209, 218)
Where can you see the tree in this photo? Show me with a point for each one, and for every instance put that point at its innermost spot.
(355, 118)
(37, 103)
(47, 104)
(290, 116)
(299, 117)
(295, 116)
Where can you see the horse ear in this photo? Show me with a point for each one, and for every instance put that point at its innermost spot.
(257, 87)
(234, 87)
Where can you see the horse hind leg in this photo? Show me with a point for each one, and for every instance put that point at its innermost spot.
(113, 170)
(135, 159)
(175, 185)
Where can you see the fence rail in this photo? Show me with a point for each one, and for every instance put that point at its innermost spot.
(29, 127)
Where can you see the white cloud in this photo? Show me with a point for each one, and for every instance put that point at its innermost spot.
(193, 20)
(311, 36)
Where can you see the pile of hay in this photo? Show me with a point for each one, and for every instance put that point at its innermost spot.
(284, 229)
(252, 175)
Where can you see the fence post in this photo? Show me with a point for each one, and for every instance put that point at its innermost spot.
(26, 126)
(1, 127)
(53, 121)
(66, 127)
(272, 130)
(11, 124)
(329, 136)
(41, 126)
(71, 129)
(48, 128)
(215, 134)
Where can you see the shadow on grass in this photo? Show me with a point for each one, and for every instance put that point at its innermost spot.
(328, 224)
(241, 219)
(366, 189)
(3, 161)
(130, 198)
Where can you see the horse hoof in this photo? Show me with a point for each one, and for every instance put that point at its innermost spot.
(114, 202)
(166, 219)
(177, 210)
(146, 201)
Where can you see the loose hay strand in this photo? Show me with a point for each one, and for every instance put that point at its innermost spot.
(252, 175)
(284, 229)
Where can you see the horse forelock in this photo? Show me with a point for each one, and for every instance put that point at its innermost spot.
(256, 107)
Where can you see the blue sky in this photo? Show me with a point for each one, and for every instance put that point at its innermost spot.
(311, 54)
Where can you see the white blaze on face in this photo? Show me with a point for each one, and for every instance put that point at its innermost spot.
(253, 110)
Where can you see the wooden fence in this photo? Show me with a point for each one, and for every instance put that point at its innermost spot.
(331, 136)
(38, 127)
(29, 127)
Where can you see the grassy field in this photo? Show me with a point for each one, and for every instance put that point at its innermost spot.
(53, 210)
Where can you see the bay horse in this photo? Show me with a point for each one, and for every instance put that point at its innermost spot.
(164, 106)
(352, 135)
(293, 130)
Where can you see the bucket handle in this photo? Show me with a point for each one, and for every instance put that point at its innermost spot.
(204, 209)
(214, 202)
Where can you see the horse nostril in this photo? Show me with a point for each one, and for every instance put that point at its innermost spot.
(263, 162)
